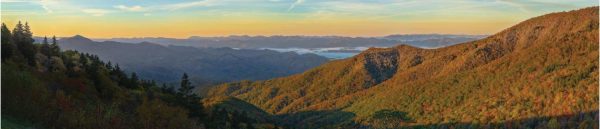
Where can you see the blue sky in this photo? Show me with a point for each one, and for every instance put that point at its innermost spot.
(274, 17)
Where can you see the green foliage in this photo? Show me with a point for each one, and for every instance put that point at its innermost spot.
(78, 90)
(45, 47)
(23, 39)
(186, 86)
(9, 49)
(54, 48)
(155, 114)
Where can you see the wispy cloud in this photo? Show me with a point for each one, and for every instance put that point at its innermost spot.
(178, 6)
(295, 4)
(355, 6)
(531, 6)
(97, 12)
(14, 1)
(135, 8)
(521, 6)
(46, 5)
(43, 3)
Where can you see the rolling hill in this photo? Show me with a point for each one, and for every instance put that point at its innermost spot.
(276, 41)
(204, 65)
(540, 73)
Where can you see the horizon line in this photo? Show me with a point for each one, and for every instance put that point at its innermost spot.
(276, 35)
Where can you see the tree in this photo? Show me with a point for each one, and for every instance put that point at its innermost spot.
(54, 48)
(46, 47)
(134, 81)
(83, 60)
(18, 32)
(8, 47)
(24, 42)
(27, 48)
(155, 114)
(167, 89)
(186, 97)
(118, 75)
(186, 87)
(17, 36)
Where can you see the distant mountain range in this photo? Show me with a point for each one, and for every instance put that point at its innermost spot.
(256, 42)
(163, 59)
(541, 73)
(204, 65)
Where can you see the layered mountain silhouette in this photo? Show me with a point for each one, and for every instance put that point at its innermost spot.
(545, 67)
(254, 42)
(204, 65)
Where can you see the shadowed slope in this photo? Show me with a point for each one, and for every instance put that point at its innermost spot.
(206, 66)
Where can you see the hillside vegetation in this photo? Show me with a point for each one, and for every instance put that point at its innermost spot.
(540, 73)
(44, 87)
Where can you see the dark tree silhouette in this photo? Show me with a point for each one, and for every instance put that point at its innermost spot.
(54, 49)
(8, 47)
(186, 87)
(46, 47)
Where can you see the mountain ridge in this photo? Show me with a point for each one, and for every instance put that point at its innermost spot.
(420, 82)
(205, 65)
(255, 42)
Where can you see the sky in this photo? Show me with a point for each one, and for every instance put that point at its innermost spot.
(356, 18)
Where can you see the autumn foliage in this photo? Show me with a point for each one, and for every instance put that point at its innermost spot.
(540, 73)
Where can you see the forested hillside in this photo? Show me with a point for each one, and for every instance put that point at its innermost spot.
(205, 66)
(44, 87)
(540, 73)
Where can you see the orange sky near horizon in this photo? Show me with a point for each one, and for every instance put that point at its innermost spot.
(253, 28)
(356, 18)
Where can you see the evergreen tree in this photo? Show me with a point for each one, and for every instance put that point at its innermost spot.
(54, 48)
(83, 59)
(18, 33)
(46, 47)
(186, 97)
(167, 89)
(186, 87)
(118, 75)
(22, 36)
(109, 66)
(93, 71)
(27, 33)
(8, 47)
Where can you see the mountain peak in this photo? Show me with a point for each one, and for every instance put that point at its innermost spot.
(79, 38)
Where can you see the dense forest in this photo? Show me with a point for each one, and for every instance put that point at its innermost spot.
(44, 87)
(540, 73)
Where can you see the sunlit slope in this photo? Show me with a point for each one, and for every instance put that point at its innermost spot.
(545, 66)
